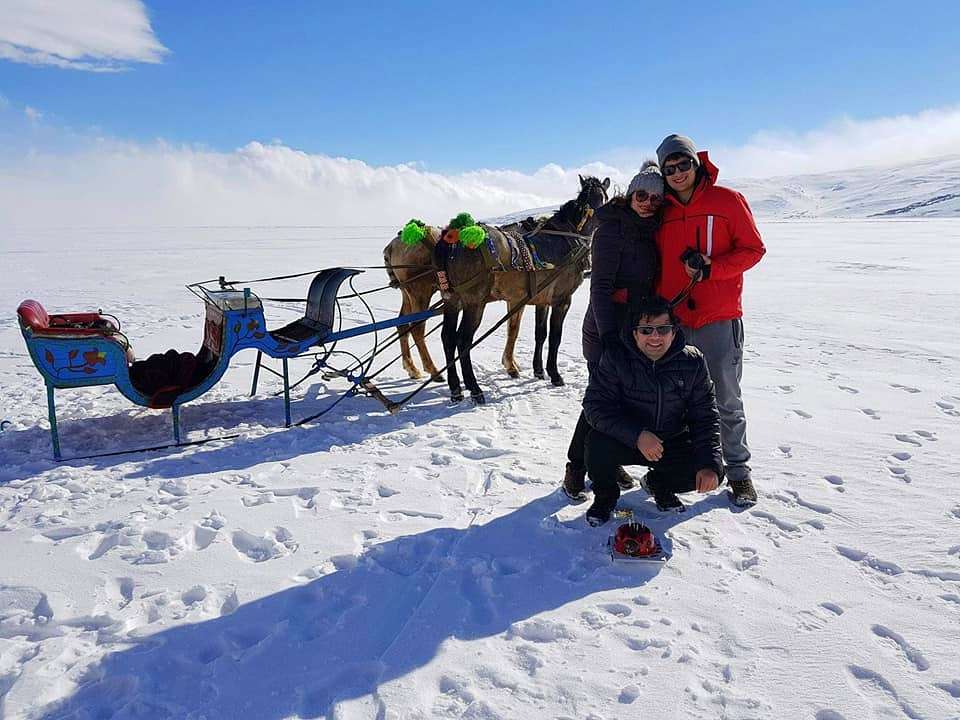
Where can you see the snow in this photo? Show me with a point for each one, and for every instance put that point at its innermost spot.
(423, 565)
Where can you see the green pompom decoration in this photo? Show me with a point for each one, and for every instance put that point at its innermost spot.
(472, 236)
(413, 232)
(461, 221)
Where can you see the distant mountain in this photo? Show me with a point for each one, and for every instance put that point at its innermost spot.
(926, 188)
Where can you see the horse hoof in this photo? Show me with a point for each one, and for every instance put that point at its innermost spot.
(513, 373)
(478, 398)
(557, 381)
(438, 378)
(456, 397)
(538, 374)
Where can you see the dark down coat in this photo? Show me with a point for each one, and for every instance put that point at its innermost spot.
(630, 393)
(624, 265)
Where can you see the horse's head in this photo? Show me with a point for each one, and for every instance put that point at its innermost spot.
(593, 194)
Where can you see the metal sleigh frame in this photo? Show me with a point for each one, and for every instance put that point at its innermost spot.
(87, 349)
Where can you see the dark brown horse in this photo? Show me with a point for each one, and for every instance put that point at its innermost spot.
(473, 283)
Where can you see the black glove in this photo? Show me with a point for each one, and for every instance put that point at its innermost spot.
(705, 272)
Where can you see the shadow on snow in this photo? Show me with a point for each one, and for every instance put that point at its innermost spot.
(375, 618)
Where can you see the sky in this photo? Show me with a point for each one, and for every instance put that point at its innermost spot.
(499, 103)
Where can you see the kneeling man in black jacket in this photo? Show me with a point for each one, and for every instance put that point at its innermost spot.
(651, 402)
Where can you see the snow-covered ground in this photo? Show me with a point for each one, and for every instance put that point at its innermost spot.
(423, 565)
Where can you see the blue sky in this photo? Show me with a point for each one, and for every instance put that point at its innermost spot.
(514, 85)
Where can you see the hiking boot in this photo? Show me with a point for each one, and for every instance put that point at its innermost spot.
(669, 502)
(624, 480)
(574, 484)
(666, 500)
(597, 516)
(742, 492)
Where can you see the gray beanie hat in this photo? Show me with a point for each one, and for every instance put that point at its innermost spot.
(648, 179)
(676, 144)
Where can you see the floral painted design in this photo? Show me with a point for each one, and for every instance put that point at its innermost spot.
(76, 363)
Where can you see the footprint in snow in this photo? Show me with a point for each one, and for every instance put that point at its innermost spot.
(948, 405)
(870, 413)
(884, 567)
(900, 473)
(785, 450)
(905, 388)
(926, 435)
(836, 481)
(908, 651)
(848, 389)
(272, 544)
(802, 413)
(904, 438)
(876, 686)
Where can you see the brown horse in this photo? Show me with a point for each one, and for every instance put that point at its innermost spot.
(410, 268)
(472, 284)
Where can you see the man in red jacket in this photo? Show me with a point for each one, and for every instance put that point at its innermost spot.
(707, 240)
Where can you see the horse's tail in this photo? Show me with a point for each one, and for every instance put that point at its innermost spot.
(394, 280)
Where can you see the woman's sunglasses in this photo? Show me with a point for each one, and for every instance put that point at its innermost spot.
(644, 196)
(661, 330)
(681, 166)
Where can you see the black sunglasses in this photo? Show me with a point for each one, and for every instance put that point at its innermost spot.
(644, 196)
(661, 330)
(681, 166)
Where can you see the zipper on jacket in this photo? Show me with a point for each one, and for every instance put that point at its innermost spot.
(656, 379)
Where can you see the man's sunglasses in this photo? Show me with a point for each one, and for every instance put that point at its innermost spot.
(661, 330)
(681, 166)
(644, 196)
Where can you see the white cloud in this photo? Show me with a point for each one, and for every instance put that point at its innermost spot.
(111, 183)
(842, 144)
(94, 35)
(33, 115)
(59, 178)
(846, 143)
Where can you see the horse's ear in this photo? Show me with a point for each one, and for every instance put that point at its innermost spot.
(582, 181)
(606, 183)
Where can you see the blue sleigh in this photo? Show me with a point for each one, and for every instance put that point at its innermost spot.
(85, 349)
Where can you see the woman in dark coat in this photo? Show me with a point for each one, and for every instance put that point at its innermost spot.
(624, 266)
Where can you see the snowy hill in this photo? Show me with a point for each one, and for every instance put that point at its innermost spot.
(929, 188)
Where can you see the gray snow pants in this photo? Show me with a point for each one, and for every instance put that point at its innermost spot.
(721, 343)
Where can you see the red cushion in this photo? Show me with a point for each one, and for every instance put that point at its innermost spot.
(33, 315)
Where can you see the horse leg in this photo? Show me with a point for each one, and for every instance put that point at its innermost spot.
(403, 331)
(472, 317)
(449, 336)
(421, 301)
(540, 335)
(560, 309)
(419, 337)
(513, 329)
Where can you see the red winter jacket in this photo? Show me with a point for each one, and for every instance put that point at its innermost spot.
(716, 222)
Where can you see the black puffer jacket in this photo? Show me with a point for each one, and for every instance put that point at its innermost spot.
(630, 393)
(623, 256)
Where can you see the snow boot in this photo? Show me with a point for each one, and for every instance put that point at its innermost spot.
(669, 502)
(624, 480)
(666, 500)
(742, 492)
(574, 484)
(597, 516)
